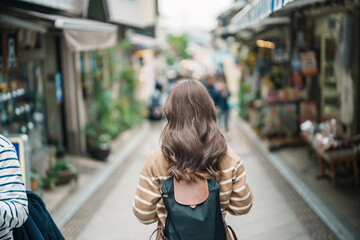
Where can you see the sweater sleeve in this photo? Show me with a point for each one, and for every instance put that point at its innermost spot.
(13, 200)
(147, 194)
(241, 197)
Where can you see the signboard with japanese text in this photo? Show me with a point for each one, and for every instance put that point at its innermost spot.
(9, 60)
(12, 56)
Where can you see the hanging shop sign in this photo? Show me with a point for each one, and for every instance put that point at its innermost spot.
(308, 64)
(9, 60)
(347, 99)
(295, 62)
(12, 58)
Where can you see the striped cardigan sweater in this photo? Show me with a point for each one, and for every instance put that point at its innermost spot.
(13, 201)
(148, 206)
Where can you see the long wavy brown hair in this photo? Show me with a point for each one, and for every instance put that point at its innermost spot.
(192, 142)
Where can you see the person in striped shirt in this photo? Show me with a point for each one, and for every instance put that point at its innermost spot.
(192, 146)
(13, 200)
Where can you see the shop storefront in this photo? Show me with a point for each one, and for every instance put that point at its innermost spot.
(333, 38)
(40, 81)
(22, 106)
(312, 96)
(301, 71)
(274, 100)
(300, 82)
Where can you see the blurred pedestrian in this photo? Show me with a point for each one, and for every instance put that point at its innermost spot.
(13, 200)
(155, 103)
(172, 77)
(210, 86)
(223, 101)
(193, 150)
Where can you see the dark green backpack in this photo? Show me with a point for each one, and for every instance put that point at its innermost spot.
(204, 222)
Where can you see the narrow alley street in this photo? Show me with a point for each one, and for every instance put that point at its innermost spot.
(86, 87)
(278, 212)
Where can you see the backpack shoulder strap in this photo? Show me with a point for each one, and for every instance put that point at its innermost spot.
(232, 232)
(162, 235)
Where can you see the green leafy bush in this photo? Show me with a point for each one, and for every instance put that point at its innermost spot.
(110, 113)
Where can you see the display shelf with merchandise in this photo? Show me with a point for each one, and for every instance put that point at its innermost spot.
(336, 154)
(281, 117)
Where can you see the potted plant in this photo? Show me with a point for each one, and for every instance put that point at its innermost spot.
(65, 171)
(98, 140)
(100, 148)
(35, 181)
(60, 173)
(50, 180)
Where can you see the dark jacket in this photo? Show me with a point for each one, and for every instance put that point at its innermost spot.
(223, 102)
(39, 225)
(213, 92)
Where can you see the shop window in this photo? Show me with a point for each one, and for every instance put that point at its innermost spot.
(31, 45)
(22, 103)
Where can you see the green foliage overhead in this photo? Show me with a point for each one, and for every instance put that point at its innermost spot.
(178, 45)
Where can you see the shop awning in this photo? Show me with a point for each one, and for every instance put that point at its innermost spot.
(259, 10)
(252, 14)
(86, 35)
(80, 34)
(290, 4)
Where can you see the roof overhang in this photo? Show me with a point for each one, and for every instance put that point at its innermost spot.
(17, 22)
(80, 34)
(143, 41)
(132, 13)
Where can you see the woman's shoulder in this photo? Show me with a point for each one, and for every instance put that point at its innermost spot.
(156, 155)
(156, 163)
(230, 159)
